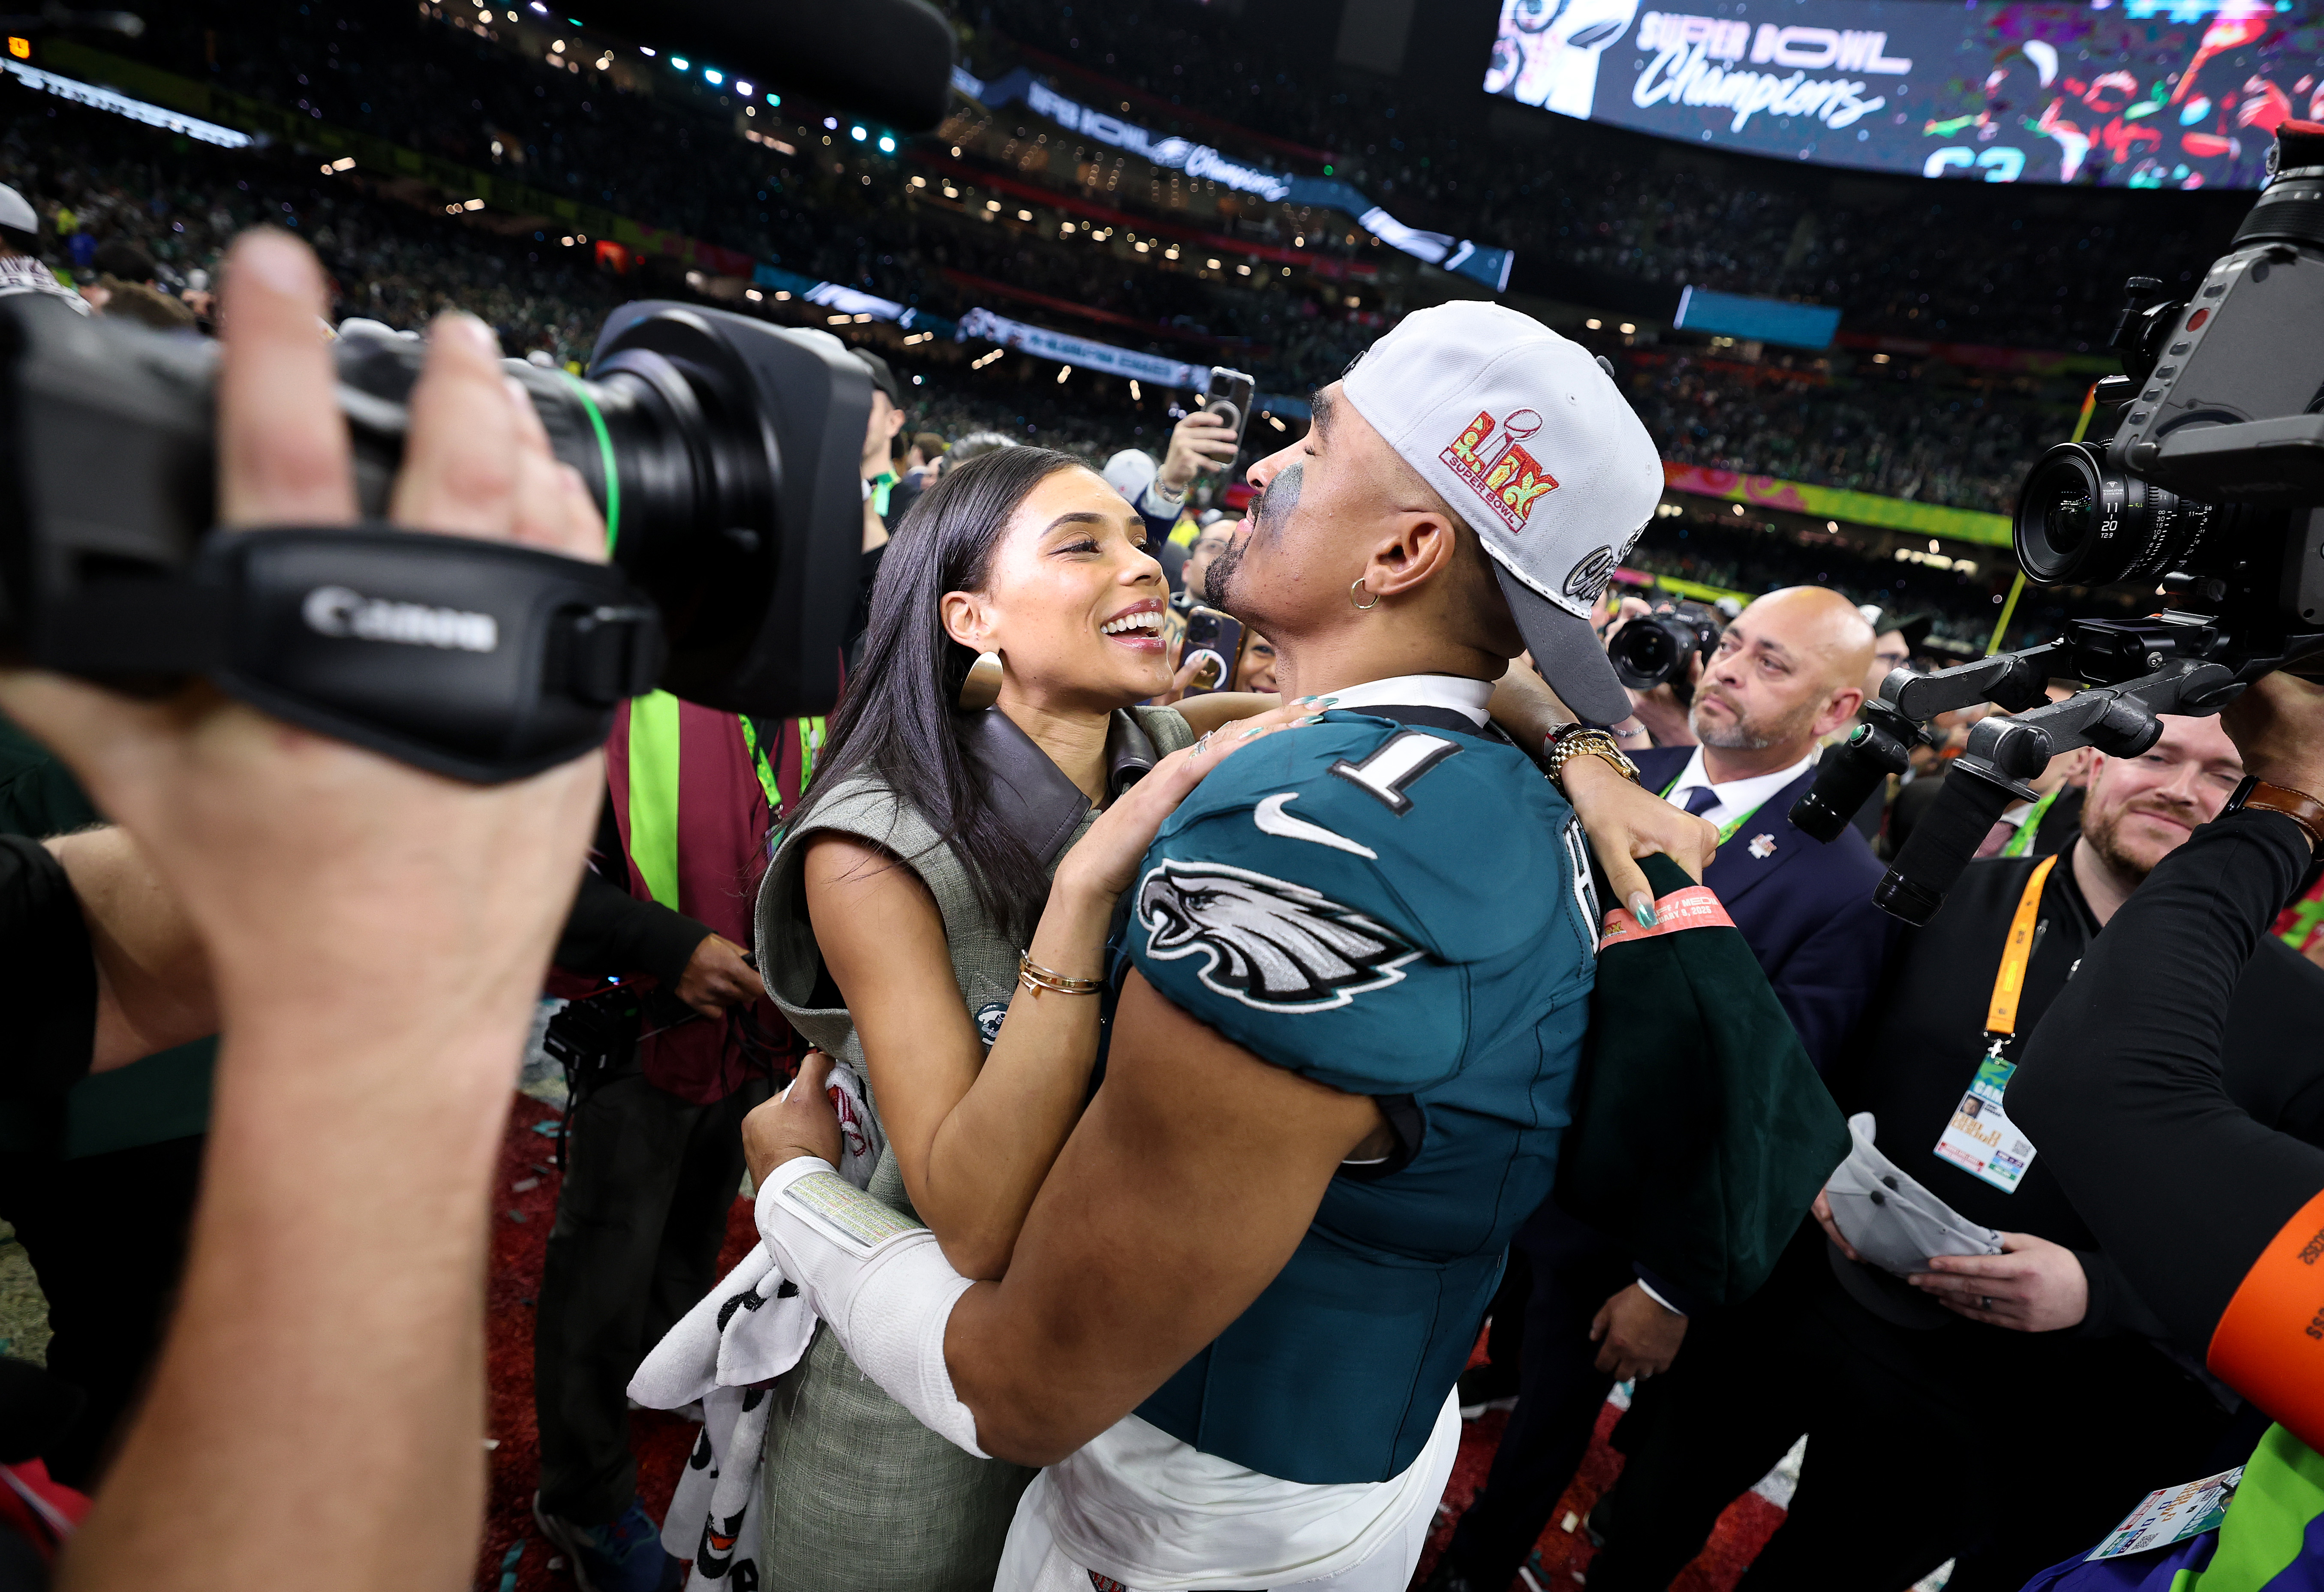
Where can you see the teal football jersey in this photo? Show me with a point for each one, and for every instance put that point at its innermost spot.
(1398, 912)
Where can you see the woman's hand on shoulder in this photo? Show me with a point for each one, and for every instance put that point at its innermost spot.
(1104, 861)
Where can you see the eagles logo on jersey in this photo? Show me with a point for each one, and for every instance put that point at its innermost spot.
(1273, 945)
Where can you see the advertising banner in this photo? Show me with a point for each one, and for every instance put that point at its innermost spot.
(2129, 93)
(1486, 265)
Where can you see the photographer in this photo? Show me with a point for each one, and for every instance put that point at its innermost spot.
(2209, 1207)
(376, 936)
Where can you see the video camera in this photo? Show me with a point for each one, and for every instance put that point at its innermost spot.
(723, 452)
(2210, 489)
(1658, 645)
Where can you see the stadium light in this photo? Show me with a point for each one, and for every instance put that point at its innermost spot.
(741, 88)
(713, 77)
(1063, 372)
(856, 132)
(679, 63)
(644, 51)
(1135, 395)
(754, 295)
(887, 143)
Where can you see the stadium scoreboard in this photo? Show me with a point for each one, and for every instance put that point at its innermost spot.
(2128, 93)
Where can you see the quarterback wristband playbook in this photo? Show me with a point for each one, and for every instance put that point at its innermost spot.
(877, 1279)
(483, 660)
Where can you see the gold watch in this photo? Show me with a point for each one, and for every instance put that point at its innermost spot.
(1579, 741)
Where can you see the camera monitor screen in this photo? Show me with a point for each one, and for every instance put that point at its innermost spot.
(2123, 93)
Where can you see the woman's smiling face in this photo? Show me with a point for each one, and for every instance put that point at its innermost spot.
(1071, 601)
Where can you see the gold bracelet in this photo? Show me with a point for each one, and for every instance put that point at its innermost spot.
(1037, 978)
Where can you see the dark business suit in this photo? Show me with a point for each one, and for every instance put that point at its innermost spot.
(1805, 909)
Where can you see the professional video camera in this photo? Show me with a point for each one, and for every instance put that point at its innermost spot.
(723, 452)
(2210, 489)
(1657, 646)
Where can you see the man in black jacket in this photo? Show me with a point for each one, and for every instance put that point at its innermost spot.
(1941, 1407)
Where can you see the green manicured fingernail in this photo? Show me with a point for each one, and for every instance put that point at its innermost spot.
(1643, 910)
(1310, 719)
(1247, 734)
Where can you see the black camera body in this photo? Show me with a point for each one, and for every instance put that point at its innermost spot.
(722, 451)
(1656, 648)
(2209, 490)
(2212, 486)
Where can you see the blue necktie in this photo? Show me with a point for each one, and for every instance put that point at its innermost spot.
(1701, 800)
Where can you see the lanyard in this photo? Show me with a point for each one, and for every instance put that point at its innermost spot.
(810, 742)
(2009, 982)
(2023, 840)
(1727, 830)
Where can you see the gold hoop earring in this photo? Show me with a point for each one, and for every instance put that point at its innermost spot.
(982, 689)
(1356, 586)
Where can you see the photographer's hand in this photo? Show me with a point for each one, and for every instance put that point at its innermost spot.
(378, 935)
(1662, 712)
(717, 978)
(2278, 726)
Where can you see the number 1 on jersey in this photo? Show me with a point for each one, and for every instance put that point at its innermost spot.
(1402, 759)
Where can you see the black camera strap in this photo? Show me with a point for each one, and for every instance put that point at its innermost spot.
(482, 660)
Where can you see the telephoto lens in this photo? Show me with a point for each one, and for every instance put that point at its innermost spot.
(1656, 648)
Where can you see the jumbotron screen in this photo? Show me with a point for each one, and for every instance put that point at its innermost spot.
(2135, 93)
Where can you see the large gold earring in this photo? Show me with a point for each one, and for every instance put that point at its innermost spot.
(1358, 585)
(982, 689)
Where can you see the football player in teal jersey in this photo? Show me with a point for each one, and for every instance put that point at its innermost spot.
(1340, 1060)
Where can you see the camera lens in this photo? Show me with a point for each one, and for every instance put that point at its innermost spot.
(1649, 650)
(2081, 524)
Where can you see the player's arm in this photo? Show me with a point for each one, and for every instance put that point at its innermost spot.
(1180, 1195)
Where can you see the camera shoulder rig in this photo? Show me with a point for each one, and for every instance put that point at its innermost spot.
(483, 660)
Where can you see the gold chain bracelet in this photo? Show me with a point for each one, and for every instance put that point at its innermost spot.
(1037, 978)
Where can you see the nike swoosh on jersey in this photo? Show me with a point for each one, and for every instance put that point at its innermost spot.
(1272, 819)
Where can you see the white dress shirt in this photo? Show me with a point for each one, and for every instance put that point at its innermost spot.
(1735, 797)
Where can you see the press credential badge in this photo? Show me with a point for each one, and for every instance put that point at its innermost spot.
(1981, 1139)
(2172, 1515)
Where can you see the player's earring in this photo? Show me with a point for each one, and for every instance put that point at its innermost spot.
(982, 689)
(1358, 585)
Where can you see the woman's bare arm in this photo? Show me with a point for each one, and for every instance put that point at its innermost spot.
(974, 1133)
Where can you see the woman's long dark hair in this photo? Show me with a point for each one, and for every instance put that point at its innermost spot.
(901, 716)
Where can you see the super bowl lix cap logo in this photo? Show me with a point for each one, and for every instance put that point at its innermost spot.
(1490, 458)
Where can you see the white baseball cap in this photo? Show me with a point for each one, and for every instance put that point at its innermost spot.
(1525, 435)
(15, 213)
(1131, 472)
